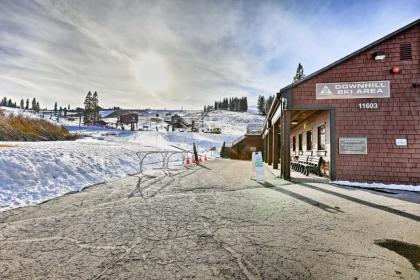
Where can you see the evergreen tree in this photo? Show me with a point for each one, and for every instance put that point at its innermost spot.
(22, 104)
(269, 101)
(65, 112)
(27, 104)
(38, 108)
(222, 150)
(33, 104)
(299, 74)
(261, 105)
(3, 101)
(10, 103)
(246, 104)
(55, 108)
(95, 106)
(87, 114)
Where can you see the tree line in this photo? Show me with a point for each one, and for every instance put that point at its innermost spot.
(230, 104)
(34, 106)
(263, 105)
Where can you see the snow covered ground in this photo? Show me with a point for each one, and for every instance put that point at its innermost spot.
(377, 186)
(32, 172)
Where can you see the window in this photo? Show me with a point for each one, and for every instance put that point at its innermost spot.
(300, 142)
(309, 140)
(294, 143)
(321, 137)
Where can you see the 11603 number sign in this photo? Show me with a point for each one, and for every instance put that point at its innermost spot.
(369, 106)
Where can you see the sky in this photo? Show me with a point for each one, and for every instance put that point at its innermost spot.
(178, 54)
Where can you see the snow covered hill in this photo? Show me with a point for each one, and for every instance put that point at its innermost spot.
(32, 172)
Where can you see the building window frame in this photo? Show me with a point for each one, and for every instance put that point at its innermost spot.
(300, 138)
(322, 137)
(294, 143)
(309, 140)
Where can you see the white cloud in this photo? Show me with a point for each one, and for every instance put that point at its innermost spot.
(59, 50)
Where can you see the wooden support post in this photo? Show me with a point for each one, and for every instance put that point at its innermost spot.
(276, 144)
(285, 148)
(270, 146)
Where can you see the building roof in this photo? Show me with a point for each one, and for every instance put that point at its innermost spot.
(340, 61)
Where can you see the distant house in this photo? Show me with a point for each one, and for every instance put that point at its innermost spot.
(128, 119)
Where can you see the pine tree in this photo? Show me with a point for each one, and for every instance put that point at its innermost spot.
(65, 112)
(27, 104)
(95, 106)
(33, 104)
(269, 101)
(261, 105)
(55, 108)
(38, 108)
(222, 150)
(10, 103)
(299, 74)
(246, 105)
(22, 104)
(88, 108)
(3, 101)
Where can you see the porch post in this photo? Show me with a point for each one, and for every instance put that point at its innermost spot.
(276, 144)
(270, 146)
(285, 155)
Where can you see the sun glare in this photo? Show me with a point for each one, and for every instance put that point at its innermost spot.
(151, 71)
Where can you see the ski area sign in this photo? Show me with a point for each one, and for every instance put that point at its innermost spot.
(347, 90)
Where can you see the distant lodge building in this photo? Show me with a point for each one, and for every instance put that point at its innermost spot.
(360, 115)
(131, 119)
(243, 147)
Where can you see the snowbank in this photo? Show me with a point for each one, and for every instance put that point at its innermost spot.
(377, 186)
(32, 172)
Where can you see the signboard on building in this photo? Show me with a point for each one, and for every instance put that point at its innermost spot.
(353, 145)
(348, 90)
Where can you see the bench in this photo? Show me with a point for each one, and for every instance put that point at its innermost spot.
(312, 165)
(298, 162)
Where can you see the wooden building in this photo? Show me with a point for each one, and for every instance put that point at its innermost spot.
(361, 114)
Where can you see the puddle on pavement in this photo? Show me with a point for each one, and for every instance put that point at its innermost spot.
(409, 251)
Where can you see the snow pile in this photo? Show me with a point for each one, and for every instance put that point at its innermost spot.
(32, 172)
(17, 111)
(377, 186)
(38, 171)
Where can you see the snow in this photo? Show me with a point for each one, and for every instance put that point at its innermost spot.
(105, 113)
(377, 186)
(32, 172)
